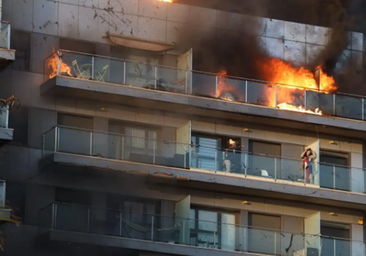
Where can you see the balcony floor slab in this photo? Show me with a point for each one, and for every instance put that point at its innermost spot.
(201, 106)
(134, 244)
(213, 181)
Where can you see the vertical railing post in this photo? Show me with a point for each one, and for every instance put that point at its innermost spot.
(363, 109)
(93, 67)
(154, 150)
(88, 221)
(216, 84)
(120, 223)
(124, 72)
(246, 156)
(123, 148)
(91, 143)
(334, 177)
(43, 143)
(7, 117)
(56, 139)
(9, 33)
(214, 235)
(58, 53)
(275, 168)
(53, 216)
(334, 101)
(156, 76)
(185, 158)
(275, 243)
(152, 228)
(305, 92)
(186, 82)
(275, 95)
(334, 247)
(184, 232)
(246, 90)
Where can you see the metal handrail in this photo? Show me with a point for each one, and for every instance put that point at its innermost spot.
(196, 220)
(198, 146)
(269, 83)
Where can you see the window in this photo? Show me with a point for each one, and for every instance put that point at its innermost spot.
(212, 229)
(333, 242)
(262, 162)
(75, 139)
(261, 235)
(205, 153)
(337, 176)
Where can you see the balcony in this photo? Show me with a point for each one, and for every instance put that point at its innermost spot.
(5, 213)
(98, 77)
(6, 134)
(6, 54)
(163, 234)
(202, 164)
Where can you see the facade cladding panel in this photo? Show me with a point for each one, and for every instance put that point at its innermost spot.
(119, 148)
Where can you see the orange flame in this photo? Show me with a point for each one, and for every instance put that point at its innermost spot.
(167, 1)
(291, 85)
(51, 65)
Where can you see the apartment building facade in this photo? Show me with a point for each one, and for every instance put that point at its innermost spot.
(121, 146)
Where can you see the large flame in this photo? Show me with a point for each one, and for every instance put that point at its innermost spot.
(167, 1)
(286, 89)
(51, 65)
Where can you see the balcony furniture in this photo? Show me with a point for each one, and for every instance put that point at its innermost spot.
(81, 73)
(99, 76)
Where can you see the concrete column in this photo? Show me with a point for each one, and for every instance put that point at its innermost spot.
(357, 235)
(37, 197)
(357, 175)
(242, 232)
(100, 139)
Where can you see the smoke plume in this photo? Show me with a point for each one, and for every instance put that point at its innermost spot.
(238, 51)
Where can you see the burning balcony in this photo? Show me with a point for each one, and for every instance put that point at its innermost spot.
(86, 75)
(6, 134)
(198, 159)
(164, 234)
(6, 54)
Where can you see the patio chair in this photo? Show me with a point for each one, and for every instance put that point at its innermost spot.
(80, 74)
(100, 75)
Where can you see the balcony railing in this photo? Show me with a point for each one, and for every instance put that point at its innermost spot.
(191, 232)
(156, 77)
(188, 156)
(5, 35)
(4, 117)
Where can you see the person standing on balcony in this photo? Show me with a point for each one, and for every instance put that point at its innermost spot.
(308, 157)
(232, 156)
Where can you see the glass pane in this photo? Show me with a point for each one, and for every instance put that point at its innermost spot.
(261, 94)
(326, 176)
(100, 144)
(172, 80)
(4, 35)
(261, 166)
(291, 170)
(207, 220)
(75, 65)
(228, 231)
(74, 141)
(342, 178)
(261, 241)
(141, 75)
(231, 89)
(290, 96)
(71, 218)
(109, 70)
(349, 107)
(203, 84)
(321, 101)
(49, 142)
